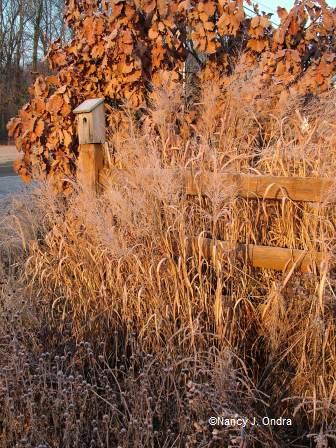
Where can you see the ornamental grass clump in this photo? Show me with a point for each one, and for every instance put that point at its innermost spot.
(172, 338)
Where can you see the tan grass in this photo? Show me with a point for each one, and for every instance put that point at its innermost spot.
(119, 262)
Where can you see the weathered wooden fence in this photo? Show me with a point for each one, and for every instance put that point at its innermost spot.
(91, 134)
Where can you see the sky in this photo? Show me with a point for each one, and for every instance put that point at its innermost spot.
(288, 3)
(271, 5)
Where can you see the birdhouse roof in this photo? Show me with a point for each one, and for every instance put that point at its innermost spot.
(88, 106)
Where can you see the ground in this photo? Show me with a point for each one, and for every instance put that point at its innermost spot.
(9, 182)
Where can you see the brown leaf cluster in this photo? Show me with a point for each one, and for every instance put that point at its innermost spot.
(121, 48)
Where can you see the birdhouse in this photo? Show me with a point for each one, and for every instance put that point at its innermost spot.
(91, 121)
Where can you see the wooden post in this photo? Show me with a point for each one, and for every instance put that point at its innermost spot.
(91, 136)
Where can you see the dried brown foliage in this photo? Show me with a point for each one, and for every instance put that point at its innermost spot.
(121, 48)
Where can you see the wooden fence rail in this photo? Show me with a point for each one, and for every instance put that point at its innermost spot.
(303, 189)
(265, 257)
(91, 132)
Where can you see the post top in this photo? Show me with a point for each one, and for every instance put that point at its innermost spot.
(88, 106)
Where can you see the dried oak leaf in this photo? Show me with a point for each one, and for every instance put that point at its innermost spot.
(13, 127)
(58, 59)
(228, 25)
(54, 104)
(67, 138)
(39, 128)
(40, 87)
(209, 7)
(22, 170)
(257, 45)
(38, 106)
(282, 13)
(149, 6)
